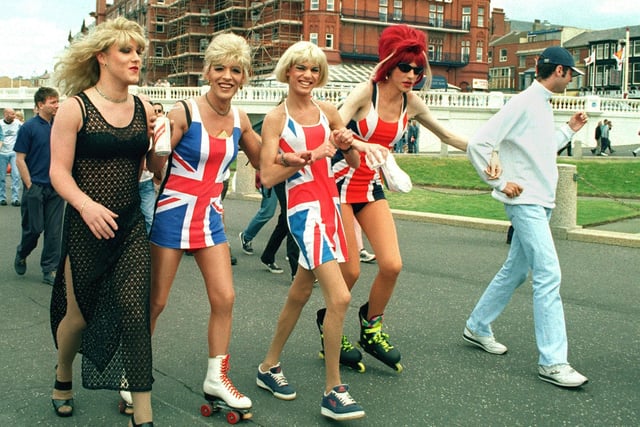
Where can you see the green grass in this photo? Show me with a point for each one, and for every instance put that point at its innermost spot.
(602, 185)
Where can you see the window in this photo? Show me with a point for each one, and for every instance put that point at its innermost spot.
(313, 38)
(436, 15)
(435, 50)
(382, 14)
(159, 24)
(158, 52)
(203, 45)
(522, 61)
(479, 51)
(328, 41)
(397, 10)
(275, 34)
(481, 17)
(635, 48)
(490, 56)
(466, 18)
(314, 5)
(331, 5)
(635, 74)
(503, 55)
(466, 47)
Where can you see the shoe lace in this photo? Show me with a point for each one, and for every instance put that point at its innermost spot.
(280, 379)
(224, 368)
(379, 337)
(346, 345)
(344, 398)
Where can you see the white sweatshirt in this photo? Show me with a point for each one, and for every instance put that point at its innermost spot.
(524, 133)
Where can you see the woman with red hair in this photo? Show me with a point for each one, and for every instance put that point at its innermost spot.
(377, 112)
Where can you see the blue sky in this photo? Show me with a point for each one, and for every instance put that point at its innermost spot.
(34, 32)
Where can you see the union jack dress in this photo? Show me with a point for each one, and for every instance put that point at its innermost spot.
(189, 209)
(360, 185)
(313, 206)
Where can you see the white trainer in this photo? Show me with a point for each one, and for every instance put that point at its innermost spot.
(562, 375)
(488, 344)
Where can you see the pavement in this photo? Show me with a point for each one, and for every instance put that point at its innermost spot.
(445, 381)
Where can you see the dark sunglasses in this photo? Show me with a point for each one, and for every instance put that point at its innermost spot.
(405, 68)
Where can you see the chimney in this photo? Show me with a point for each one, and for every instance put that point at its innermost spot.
(498, 27)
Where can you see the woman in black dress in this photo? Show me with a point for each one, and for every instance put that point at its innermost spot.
(100, 301)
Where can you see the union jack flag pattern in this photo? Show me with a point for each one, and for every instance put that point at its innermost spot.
(189, 209)
(313, 207)
(358, 185)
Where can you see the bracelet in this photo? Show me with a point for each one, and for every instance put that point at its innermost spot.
(283, 161)
(84, 203)
(347, 150)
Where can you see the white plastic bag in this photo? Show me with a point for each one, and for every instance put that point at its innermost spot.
(396, 179)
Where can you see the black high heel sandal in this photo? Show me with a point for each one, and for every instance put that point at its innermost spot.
(60, 403)
(147, 424)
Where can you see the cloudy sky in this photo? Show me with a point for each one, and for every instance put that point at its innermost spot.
(34, 32)
(591, 14)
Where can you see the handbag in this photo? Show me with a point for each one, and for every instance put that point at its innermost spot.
(395, 178)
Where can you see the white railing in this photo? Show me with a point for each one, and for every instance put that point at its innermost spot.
(267, 97)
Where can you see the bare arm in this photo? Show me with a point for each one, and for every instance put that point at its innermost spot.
(99, 219)
(21, 163)
(250, 140)
(178, 119)
(419, 110)
(276, 167)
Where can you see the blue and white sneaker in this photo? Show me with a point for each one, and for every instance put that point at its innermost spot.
(275, 381)
(339, 405)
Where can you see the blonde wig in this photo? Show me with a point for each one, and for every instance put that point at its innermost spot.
(78, 67)
(299, 53)
(228, 48)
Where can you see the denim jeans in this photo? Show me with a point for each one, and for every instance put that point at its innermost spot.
(9, 159)
(264, 214)
(532, 248)
(147, 201)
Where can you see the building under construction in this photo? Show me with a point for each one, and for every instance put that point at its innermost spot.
(179, 32)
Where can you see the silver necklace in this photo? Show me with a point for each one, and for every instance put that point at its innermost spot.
(108, 98)
(220, 113)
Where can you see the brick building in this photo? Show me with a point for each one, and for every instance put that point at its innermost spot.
(347, 31)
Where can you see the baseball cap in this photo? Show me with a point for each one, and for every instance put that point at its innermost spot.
(559, 56)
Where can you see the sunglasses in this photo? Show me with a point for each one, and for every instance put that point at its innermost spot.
(405, 68)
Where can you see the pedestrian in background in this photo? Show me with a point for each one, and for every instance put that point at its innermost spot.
(42, 207)
(100, 301)
(524, 135)
(9, 128)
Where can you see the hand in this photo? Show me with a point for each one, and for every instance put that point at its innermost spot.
(99, 219)
(375, 154)
(512, 190)
(343, 138)
(577, 121)
(326, 149)
(494, 168)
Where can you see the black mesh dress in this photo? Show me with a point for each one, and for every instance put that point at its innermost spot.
(111, 277)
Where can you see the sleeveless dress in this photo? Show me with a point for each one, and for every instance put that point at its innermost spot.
(111, 277)
(189, 208)
(313, 207)
(359, 185)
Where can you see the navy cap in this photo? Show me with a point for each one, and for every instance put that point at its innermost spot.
(559, 56)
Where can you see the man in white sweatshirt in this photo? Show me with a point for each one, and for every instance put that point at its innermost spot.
(524, 134)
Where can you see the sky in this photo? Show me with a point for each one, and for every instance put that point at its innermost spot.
(34, 32)
(590, 14)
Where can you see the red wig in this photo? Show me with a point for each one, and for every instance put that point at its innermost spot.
(401, 43)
